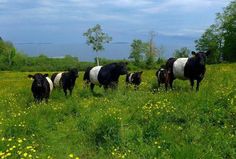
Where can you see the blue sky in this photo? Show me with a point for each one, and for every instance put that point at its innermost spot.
(64, 21)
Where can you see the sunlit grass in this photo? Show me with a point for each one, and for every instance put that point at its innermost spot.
(122, 123)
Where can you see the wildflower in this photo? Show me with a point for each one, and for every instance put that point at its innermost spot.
(25, 154)
(19, 140)
(71, 155)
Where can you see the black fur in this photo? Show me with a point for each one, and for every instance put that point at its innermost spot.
(67, 81)
(135, 79)
(109, 74)
(162, 77)
(40, 87)
(194, 68)
(86, 76)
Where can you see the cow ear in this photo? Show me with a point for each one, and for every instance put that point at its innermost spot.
(45, 75)
(194, 53)
(208, 53)
(31, 76)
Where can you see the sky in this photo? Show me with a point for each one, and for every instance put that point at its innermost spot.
(65, 21)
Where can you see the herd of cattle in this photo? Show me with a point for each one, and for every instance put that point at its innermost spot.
(192, 68)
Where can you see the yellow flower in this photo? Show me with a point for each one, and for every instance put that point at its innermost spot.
(71, 155)
(20, 141)
(25, 154)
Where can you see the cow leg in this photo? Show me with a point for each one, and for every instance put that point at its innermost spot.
(171, 83)
(105, 87)
(198, 83)
(65, 91)
(192, 83)
(158, 85)
(166, 85)
(46, 100)
(91, 86)
(70, 91)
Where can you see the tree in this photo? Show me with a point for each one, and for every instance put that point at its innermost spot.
(151, 50)
(137, 51)
(182, 52)
(96, 38)
(228, 26)
(7, 51)
(220, 37)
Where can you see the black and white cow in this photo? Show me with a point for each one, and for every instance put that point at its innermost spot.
(65, 80)
(162, 77)
(134, 78)
(106, 76)
(192, 68)
(41, 87)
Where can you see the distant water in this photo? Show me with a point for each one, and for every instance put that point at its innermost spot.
(82, 51)
(120, 50)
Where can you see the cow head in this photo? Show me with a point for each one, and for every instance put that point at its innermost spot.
(122, 68)
(201, 56)
(137, 76)
(38, 79)
(73, 72)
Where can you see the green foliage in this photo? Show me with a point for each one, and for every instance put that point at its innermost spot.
(182, 52)
(7, 52)
(151, 51)
(96, 38)
(229, 31)
(137, 51)
(145, 53)
(211, 40)
(220, 37)
(122, 123)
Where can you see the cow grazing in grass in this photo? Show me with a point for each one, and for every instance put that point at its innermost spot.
(134, 78)
(106, 76)
(162, 77)
(41, 87)
(65, 80)
(192, 68)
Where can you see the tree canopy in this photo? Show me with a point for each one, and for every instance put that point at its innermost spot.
(97, 38)
(220, 37)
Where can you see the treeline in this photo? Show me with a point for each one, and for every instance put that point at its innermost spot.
(12, 60)
(220, 37)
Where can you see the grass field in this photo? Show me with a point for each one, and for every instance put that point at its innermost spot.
(121, 124)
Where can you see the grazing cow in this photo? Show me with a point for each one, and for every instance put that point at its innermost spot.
(162, 76)
(106, 76)
(86, 77)
(192, 68)
(134, 78)
(65, 80)
(41, 87)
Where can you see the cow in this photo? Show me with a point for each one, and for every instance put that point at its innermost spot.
(106, 76)
(42, 87)
(162, 77)
(192, 68)
(65, 80)
(134, 78)
(86, 77)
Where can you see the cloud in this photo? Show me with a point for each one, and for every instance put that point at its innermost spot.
(183, 5)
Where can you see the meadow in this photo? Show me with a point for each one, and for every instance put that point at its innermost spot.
(121, 124)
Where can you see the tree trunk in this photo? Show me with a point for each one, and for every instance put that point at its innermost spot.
(97, 59)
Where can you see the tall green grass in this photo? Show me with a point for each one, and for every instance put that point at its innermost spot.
(122, 123)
